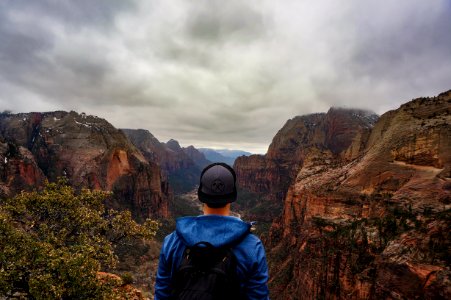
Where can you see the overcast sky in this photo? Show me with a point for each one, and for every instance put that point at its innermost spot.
(220, 73)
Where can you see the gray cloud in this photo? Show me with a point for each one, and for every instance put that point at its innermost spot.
(212, 21)
(400, 53)
(215, 73)
(72, 15)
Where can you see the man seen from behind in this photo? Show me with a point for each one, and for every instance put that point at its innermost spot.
(213, 256)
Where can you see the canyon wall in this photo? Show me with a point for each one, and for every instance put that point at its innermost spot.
(18, 169)
(89, 152)
(182, 166)
(372, 222)
(337, 135)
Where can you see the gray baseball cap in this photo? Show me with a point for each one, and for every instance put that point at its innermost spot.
(217, 184)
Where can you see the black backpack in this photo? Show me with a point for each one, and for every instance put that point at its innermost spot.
(207, 273)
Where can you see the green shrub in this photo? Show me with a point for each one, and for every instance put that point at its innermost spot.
(55, 241)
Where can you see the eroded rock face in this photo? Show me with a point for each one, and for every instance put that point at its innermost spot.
(91, 153)
(265, 176)
(334, 137)
(18, 170)
(373, 225)
(196, 156)
(182, 166)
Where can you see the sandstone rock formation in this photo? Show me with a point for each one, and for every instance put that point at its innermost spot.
(18, 169)
(372, 222)
(121, 289)
(91, 153)
(338, 134)
(196, 156)
(182, 166)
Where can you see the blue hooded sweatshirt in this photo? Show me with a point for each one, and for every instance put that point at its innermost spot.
(220, 231)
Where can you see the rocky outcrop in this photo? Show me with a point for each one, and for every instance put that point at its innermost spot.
(182, 166)
(196, 156)
(370, 223)
(149, 145)
(338, 135)
(121, 289)
(18, 170)
(91, 153)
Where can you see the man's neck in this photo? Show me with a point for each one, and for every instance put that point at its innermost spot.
(223, 211)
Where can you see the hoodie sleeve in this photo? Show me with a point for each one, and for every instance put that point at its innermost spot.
(170, 257)
(256, 287)
(163, 280)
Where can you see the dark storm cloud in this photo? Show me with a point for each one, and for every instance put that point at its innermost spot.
(31, 30)
(212, 21)
(208, 28)
(414, 50)
(398, 53)
(19, 45)
(27, 31)
(220, 73)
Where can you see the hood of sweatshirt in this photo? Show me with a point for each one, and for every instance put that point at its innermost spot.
(217, 230)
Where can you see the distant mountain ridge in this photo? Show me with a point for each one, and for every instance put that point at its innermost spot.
(232, 153)
(197, 156)
(223, 155)
(182, 166)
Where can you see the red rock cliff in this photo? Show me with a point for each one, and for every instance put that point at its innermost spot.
(182, 166)
(91, 153)
(18, 170)
(374, 227)
(338, 134)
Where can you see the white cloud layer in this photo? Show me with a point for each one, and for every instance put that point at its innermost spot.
(220, 73)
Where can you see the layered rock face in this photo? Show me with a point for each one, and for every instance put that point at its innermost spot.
(91, 153)
(181, 165)
(372, 223)
(149, 145)
(196, 156)
(338, 134)
(18, 169)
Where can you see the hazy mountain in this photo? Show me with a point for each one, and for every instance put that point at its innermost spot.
(223, 155)
(197, 156)
(232, 153)
(182, 166)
